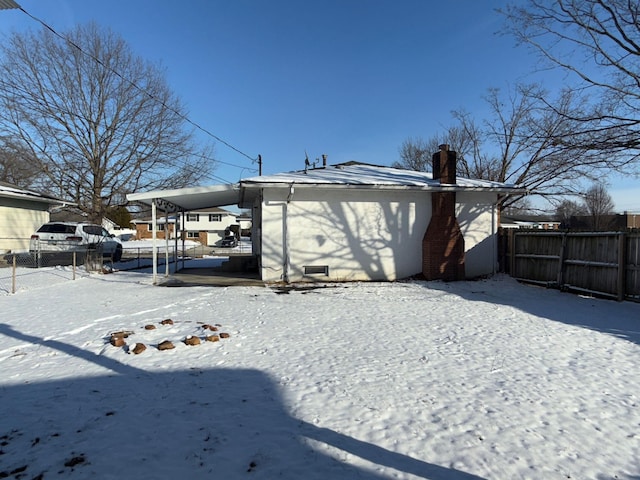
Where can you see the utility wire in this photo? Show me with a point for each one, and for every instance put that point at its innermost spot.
(100, 62)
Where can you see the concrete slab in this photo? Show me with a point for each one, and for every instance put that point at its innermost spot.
(213, 277)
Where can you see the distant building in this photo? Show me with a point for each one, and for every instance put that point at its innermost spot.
(614, 222)
(207, 226)
(537, 222)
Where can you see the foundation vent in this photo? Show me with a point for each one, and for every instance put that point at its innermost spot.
(316, 270)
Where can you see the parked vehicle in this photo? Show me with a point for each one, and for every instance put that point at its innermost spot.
(61, 237)
(229, 241)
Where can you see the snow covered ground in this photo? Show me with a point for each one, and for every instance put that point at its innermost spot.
(410, 380)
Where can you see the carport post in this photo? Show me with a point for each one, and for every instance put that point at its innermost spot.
(166, 242)
(154, 252)
(183, 235)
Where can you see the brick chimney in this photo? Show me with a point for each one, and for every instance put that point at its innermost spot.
(443, 244)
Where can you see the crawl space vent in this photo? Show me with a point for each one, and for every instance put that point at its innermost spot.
(316, 270)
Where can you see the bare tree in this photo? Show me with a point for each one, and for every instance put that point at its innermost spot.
(598, 43)
(16, 165)
(567, 209)
(520, 143)
(415, 154)
(465, 139)
(527, 135)
(598, 205)
(99, 122)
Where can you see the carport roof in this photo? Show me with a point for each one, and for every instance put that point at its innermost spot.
(189, 199)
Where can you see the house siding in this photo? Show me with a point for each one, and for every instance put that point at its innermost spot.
(19, 219)
(477, 217)
(362, 235)
(143, 231)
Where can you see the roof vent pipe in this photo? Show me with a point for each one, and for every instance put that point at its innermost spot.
(324, 159)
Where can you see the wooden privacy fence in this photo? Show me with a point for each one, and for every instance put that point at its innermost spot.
(602, 263)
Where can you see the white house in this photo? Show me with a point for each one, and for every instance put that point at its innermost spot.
(208, 225)
(362, 222)
(22, 212)
(355, 221)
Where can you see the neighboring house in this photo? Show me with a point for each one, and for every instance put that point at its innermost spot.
(537, 222)
(207, 226)
(362, 222)
(144, 227)
(22, 212)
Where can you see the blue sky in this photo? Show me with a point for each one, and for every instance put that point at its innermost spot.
(351, 79)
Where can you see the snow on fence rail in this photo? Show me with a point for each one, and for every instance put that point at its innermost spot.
(602, 263)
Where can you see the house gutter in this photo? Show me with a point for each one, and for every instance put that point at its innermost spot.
(439, 188)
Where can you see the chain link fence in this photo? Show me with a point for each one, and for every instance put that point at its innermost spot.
(20, 258)
(65, 260)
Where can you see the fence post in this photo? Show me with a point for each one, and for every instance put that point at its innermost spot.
(563, 253)
(13, 275)
(512, 251)
(74, 266)
(622, 266)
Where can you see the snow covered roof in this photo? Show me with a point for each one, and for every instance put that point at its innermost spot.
(11, 191)
(350, 175)
(363, 175)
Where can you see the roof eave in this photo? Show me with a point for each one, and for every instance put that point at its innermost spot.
(426, 188)
(36, 198)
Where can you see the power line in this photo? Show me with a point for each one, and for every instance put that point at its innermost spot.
(137, 87)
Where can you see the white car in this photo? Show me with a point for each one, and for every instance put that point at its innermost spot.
(54, 237)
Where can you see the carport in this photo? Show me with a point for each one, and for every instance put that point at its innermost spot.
(188, 199)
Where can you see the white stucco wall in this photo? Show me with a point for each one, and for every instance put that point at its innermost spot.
(18, 221)
(362, 234)
(477, 218)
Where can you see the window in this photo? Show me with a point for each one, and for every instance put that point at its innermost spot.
(92, 230)
(193, 217)
(215, 217)
(160, 227)
(57, 228)
(193, 234)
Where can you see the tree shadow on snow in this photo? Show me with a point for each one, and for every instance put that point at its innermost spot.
(214, 423)
(620, 319)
